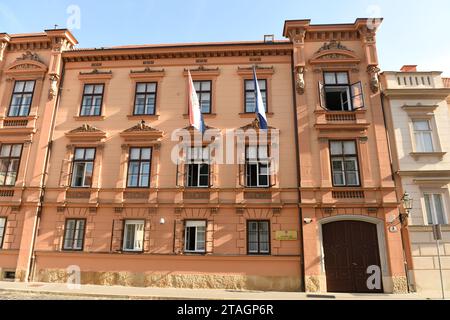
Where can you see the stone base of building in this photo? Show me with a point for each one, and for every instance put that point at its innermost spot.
(160, 280)
(395, 285)
(399, 285)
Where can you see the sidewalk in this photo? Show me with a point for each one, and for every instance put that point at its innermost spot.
(132, 293)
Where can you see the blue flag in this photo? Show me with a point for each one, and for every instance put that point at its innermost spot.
(260, 108)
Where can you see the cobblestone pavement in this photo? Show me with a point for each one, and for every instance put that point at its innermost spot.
(13, 295)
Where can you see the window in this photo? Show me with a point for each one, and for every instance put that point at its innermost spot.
(2, 230)
(21, 99)
(203, 89)
(195, 237)
(434, 205)
(344, 163)
(9, 163)
(336, 94)
(139, 168)
(197, 167)
(133, 239)
(145, 101)
(74, 234)
(83, 167)
(258, 237)
(250, 97)
(423, 136)
(92, 100)
(257, 167)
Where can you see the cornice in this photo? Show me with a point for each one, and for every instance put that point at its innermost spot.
(438, 93)
(177, 52)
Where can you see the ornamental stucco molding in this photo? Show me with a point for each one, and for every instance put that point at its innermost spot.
(374, 81)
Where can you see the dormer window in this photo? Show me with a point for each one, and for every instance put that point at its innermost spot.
(336, 93)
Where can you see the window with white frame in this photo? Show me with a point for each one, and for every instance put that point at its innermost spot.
(336, 93)
(92, 100)
(10, 155)
(133, 238)
(2, 230)
(423, 135)
(139, 165)
(21, 99)
(83, 167)
(195, 237)
(197, 167)
(145, 100)
(257, 167)
(74, 234)
(344, 163)
(435, 208)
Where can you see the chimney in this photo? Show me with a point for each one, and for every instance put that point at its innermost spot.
(409, 68)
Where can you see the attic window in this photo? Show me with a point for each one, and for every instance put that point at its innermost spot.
(269, 38)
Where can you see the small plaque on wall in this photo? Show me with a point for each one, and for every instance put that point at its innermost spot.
(286, 235)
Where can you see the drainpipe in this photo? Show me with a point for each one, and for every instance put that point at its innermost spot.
(32, 262)
(403, 230)
(298, 163)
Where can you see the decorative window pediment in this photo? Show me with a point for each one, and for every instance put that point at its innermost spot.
(260, 71)
(202, 71)
(147, 73)
(29, 63)
(86, 133)
(142, 132)
(334, 52)
(95, 75)
(254, 125)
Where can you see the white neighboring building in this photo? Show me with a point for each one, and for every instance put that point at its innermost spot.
(418, 122)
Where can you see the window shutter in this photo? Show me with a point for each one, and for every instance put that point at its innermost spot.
(322, 99)
(139, 237)
(242, 171)
(357, 96)
(273, 168)
(181, 173)
(65, 175)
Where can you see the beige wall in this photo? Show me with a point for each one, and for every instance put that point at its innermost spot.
(421, 173)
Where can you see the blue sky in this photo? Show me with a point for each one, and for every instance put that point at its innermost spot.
(413, 32)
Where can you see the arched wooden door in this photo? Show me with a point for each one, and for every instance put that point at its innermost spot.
(350, 247)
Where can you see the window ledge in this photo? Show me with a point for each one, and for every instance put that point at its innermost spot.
(19, 118)
(89, 118)
(426, 228)
(205, 115)
(143, 117)
(417, 155)
(253, 114)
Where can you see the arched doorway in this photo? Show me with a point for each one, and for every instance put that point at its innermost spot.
(350, 248)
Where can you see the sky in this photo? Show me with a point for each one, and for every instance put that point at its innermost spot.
(413, 31)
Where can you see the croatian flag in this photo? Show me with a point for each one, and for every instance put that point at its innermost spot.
(260, 108)
(195, 114)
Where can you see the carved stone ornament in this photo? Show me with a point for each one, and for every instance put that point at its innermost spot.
(52, 92)
(374, 82)
(300, 79)
(85, 128)
(146, 70)
(3, 46)
(141, 126)
(333, 45)
(297, 36)
(29, 56)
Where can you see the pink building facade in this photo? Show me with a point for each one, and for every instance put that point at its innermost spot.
(115, 209)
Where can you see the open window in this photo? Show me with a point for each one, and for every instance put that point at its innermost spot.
(336, 94)
(195, 170)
